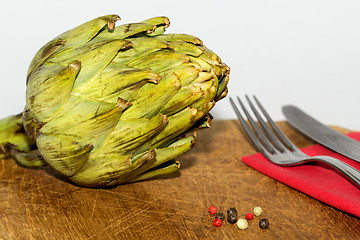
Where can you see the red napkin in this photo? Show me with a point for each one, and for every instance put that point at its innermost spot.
(316, 180)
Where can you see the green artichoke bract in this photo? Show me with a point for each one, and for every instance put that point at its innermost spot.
(107, 105)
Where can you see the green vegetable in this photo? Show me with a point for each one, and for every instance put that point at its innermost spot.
(107, 105)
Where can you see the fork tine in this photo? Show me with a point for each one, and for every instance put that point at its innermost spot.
(248, 130)
(256, 128)
(266, 128)
(281, 135)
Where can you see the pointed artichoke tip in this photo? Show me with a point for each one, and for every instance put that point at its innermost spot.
(152, 153)
(76, 64)
(149, 155)
(198, 41)
(111, 21)
(155, 78)
(116, 17)
(127, 45)
(222, 95)
(57, 42)
(178, 164)
(227, 69)
(89, 147)
(122, 104)
(149, 31)
(167, 22)
(169, 46)
(164, 119)
(194, 139)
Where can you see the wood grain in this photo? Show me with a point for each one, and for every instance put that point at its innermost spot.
(39, 204)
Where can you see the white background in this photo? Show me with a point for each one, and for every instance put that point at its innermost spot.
(305, 52)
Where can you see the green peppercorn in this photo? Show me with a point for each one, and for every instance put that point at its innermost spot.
(242, 224)
(257, 211)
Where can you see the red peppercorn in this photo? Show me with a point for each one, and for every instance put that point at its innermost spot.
(212, 210)
(217, 222)
(249, 216)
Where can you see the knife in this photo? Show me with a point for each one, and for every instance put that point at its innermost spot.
(321, 133)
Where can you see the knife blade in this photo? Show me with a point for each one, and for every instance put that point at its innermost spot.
(321, 133)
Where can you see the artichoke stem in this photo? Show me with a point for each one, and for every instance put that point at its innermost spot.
(13, 137)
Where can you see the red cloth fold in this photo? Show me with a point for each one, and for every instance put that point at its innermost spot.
(316, 180)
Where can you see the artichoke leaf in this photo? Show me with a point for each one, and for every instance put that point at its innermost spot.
(158, 21)
(187, 48)
(109, 84)
(13, 137)
(129, 134)
(215, 65)
(204, 66)
(102, 171)
(160, 60)
(171, 167)
(63, 153)
(203, 111)
(109, 170)
(178, 123)
(222, 85)
(186, 72)
(30, 159)
(126, 31)
(166, 154)
(180, 37)
(44, 53)
(141, 46)
(150, 99)
(94, 57)
(161, 24)
(222, 95)
(92, 121)
(204, 78)
(45, 100)
(182, 99)
(88, 30)
(212, 55)
(208, 96)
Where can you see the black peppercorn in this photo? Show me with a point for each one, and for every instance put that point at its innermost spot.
(232, 218)
(220, 216)
(232, 211)
(264, 223)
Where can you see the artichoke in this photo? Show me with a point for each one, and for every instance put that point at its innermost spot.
(108, 105)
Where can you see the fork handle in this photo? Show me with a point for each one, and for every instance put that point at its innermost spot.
(352, 174)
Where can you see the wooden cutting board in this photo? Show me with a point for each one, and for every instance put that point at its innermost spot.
(39, 204)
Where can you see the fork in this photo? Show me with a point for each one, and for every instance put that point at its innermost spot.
(276, 147)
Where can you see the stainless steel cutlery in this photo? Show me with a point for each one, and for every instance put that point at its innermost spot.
(276, 147)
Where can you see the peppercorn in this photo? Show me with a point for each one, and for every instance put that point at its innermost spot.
(242, 224)
(264, 223)
(212, 210)
(217, 222)
(257, 211)
(220, 216)
(232, 211)
(249, 216)
(232, 218)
